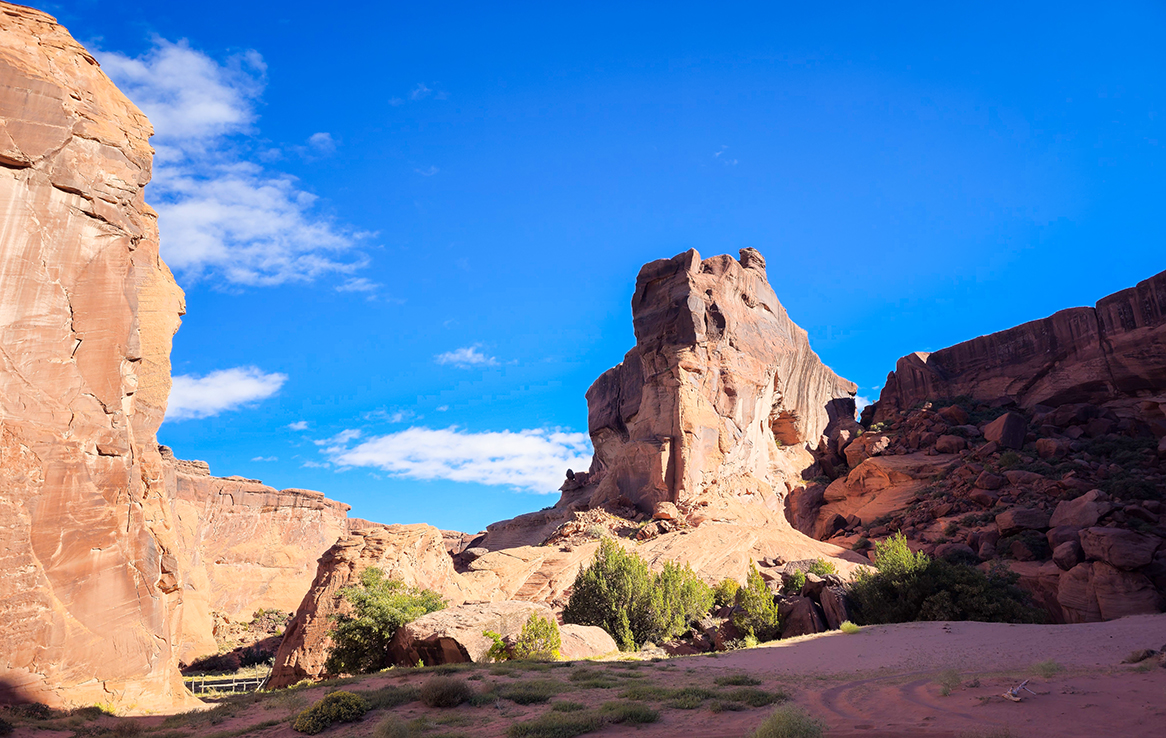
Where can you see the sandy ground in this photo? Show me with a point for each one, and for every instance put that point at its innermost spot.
(883, 682)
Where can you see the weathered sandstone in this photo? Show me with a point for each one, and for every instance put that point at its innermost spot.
(243, 546)
(90, 591)
(458, 634)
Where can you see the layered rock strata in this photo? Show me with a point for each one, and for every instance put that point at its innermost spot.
(1111, 354)
(243, 547)
(90, 597)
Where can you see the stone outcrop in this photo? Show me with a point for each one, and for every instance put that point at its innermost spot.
(720, 393)
(90, 590)
(458, 634)
(585, 642)
(1113, 353)
(243, 546)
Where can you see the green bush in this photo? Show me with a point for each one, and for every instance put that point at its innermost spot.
(725, 593)
(794, 584)
(789, 722)
(445, 692)
(338, 707)
(619, 593)
(758, 616)
(380, 606)
(530, 693)
(737, 680)
(627, 712)
(911, 586)
(539, 639)
(557, 725)
(822, 568)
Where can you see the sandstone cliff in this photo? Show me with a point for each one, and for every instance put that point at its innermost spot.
(89, 582)
(243, 546)
(1110, 354)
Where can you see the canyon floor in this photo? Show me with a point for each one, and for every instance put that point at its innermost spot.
(914, 679)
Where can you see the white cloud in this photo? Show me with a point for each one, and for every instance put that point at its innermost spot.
(442, 408)
(428, 171)
(466, 357)
(420, 92)
(390, 416)
(530, 460)
(220, 391)
(265, 458)
(341, 438)
(299, 425)
(221, 214)
(357, 284)
(859, 403)
(322, 142)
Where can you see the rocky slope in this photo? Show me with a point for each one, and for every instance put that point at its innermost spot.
(1051, 459)
(90, 596)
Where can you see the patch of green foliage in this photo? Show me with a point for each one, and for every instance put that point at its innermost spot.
(444, 691)
(390, 696)
(789, 722)
(758, 615)
(910, 586)
(628, 712)
(568, 706)
(737, 680)
(379, 607)
(557, 725)
(849, 628)
(794, 584)
(619, 593)
(725, 593)
(539, 639)
(754, 697)
(338, 707)
(530, 693)
(822, 568)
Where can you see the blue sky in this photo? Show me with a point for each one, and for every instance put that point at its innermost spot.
(409, 233)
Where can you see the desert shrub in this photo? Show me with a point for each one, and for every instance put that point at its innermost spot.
(1047, 669)
(338, 707)
(390, 696)
(530, 693)
(539, 639)
(948, 680)
(725, 593)
(380, 606)
(794, 584)
(911, 586)
(444, 691)
(754, 697)
(568, 706)
(789, 722)
(498, 650)
(619, 593)
(689, 698)
(822, 568)
(556, 725)
(737, 680)
(849, 628)
(627, 712)
(758, 616)
(392, 727)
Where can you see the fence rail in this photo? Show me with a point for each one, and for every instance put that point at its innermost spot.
(203, 685)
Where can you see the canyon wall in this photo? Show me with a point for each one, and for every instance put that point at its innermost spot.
(243, 546)
(90, 595)
(1110, 354)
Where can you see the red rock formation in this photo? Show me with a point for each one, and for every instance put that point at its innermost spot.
(1115, 351)
(243, 547)
(719, 382)
(89, 580)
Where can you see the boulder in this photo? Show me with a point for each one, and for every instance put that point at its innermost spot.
(1019, 518)
(1068, 554)
(988, 480)
(1008, 430)
(800, 616)
(1119, 547)
(1062, 534)
(585, 642)
(1051, 448)
(1020, 478)
(864, 447)
(954, 414)
(950, 444)
(835, 606)
(1081, 512)
(1077, 596)
(955, 551)
(1122, 593)
(457, 634)
(665, 511)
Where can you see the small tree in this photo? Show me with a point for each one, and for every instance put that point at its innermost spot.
(605, 593)
(676, 599)
(379, 607)
(725, 593)
(758, 616)
(539, 639)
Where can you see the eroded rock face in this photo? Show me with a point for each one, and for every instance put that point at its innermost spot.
(89, 579)
(721, 387)
(244, 546)
(1115, 351)
(458, 634)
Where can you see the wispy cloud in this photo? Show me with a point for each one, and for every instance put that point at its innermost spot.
(428, 171)
(420, 92)
(340, 439)
(860, 402)
(222, 214)
(220, 391)
(265, 458)
(357, 284)
(299, 425)
(390, 416)
(528, 460)
(466, 357)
